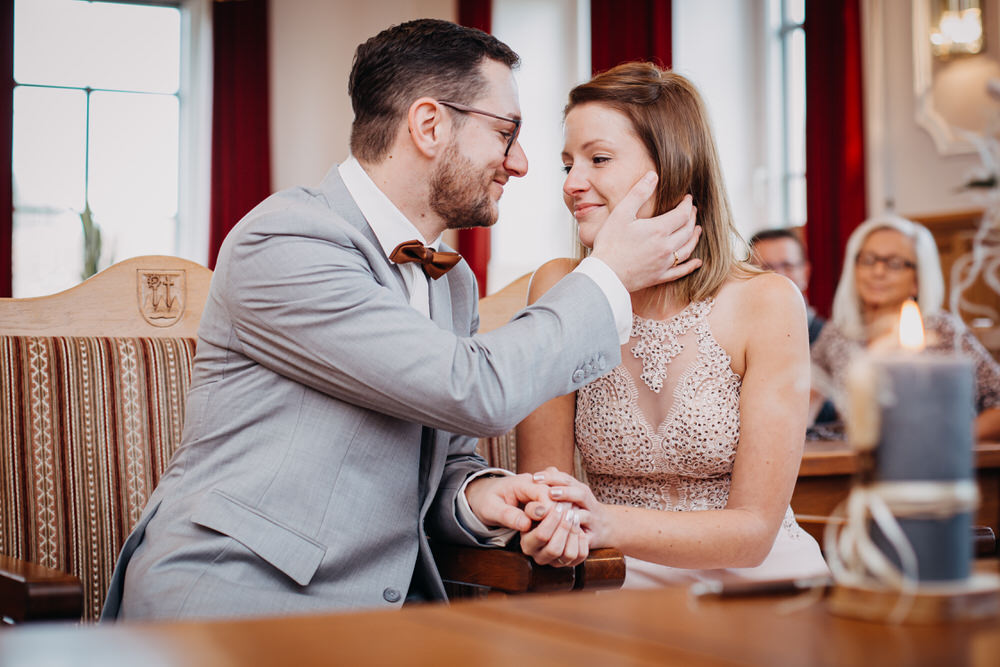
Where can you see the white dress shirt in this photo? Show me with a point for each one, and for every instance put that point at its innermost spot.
(391, 228)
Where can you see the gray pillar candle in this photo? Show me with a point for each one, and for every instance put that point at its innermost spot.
(927, 411)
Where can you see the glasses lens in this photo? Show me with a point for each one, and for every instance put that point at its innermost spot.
(892, 263)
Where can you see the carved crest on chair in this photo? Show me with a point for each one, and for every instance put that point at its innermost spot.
(162, 295)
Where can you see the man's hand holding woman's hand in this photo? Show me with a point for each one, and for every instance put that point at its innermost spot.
(558, 538)
(551, 530)
(589, 513)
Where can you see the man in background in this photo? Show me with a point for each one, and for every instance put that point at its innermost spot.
(781, 251)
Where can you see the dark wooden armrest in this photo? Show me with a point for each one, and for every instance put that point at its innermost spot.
(603, 569)
(511, 571)
(31, 592)
(984, 542)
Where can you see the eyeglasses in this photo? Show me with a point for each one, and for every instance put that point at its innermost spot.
(467, 109)
(892, 262)
(781, 267)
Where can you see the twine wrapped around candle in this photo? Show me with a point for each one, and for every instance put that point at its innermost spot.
(854, 557)
(855, 560)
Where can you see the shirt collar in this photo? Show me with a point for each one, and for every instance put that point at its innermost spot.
(388, 223)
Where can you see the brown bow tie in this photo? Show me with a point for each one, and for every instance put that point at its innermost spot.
(436, 263)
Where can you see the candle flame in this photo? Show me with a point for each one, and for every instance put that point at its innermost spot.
(911, 327)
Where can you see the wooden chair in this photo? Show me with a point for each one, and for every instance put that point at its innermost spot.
(91, 409)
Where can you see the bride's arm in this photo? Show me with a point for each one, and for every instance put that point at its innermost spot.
(773, 410)
(545, 437)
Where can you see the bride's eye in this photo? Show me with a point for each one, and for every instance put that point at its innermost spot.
(600, 159)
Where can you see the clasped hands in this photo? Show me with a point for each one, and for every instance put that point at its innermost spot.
(555, 514)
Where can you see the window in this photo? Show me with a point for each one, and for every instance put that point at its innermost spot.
(789, 98)
(96, 134)
(553, 40)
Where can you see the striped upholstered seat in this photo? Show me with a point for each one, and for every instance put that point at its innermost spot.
(88, 422)
(87, 427)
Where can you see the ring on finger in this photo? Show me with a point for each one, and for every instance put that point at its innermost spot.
(677, 260)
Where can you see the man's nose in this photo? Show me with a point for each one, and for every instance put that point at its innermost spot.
(516, 162)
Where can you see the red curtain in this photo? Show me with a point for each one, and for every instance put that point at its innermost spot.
(835, 151)
(7, 141)
(474, 244)
(241, 138)
(627, 30)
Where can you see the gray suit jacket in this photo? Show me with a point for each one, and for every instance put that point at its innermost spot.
(329, 425)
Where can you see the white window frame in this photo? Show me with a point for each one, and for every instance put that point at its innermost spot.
(194, 100)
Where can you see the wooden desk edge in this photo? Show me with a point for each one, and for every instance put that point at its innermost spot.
(823, 457)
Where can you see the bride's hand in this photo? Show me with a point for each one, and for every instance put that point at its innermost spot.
(558, 538)
(568, 489)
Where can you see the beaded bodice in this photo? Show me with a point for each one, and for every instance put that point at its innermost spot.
(661, 429)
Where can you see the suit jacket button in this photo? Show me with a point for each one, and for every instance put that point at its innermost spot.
(578, 376)
(391, 595)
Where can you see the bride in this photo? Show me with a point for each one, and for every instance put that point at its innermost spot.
(692, 445)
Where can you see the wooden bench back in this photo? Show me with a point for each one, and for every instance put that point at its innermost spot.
(153, 296)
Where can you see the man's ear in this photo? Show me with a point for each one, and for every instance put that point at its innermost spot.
(429, 128)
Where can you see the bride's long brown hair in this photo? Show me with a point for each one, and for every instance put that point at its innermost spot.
(669, 117)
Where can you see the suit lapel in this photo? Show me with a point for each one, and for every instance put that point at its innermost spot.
(440, 303)
(342, 203)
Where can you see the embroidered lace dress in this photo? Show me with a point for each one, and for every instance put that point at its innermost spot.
(660, 431)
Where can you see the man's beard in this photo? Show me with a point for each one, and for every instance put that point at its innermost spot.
(458, 196)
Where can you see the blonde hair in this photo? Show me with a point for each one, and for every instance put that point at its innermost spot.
(669, 117)
(930, 281)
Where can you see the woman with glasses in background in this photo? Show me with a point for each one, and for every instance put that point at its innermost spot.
(888, 261)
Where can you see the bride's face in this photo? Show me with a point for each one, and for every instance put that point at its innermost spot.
(603, 158)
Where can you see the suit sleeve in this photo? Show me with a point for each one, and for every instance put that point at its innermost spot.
(314, 310)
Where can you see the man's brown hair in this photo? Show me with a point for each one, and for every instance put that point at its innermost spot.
(426, 57)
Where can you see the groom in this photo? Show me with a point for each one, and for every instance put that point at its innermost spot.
(339, 384)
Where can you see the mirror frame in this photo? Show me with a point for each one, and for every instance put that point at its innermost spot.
(946, 140)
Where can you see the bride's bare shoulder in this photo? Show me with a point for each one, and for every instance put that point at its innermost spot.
(761, 297)
(548, 274)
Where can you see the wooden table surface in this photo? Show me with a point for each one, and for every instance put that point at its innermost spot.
(669, 624)
(653, 627)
